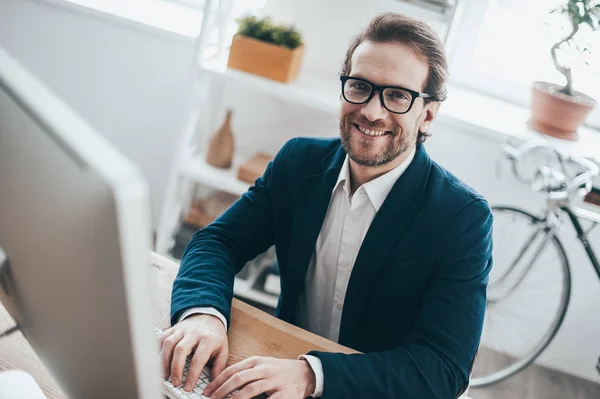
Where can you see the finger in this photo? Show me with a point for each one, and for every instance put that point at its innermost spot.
(180, 353)
(220, 361)
(229, 372)
(254, 389)
(166, 351)
(164, 335)
(278, 395)
(238, 381)
(201, 356)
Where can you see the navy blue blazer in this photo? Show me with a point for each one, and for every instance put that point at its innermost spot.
(416, 297)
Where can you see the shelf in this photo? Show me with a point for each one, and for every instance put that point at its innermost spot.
(243, 289)
(199, 171)
(273, 284)
(311, 92)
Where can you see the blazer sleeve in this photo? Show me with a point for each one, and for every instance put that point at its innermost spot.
(219, 251)
(438, 360)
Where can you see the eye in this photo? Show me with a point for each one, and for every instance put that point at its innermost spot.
(361, 86)
(399, 95)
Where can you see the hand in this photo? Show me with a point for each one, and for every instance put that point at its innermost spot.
(278, 378)
(203, 335)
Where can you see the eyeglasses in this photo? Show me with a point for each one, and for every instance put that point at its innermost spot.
(397, 100)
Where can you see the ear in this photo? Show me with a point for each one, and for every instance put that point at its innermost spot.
(429, 113)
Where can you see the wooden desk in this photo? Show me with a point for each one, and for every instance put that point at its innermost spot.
(252, 332)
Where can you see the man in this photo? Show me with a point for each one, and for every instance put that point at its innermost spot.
(379, 248)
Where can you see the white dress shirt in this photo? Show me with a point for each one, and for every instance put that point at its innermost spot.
(346, 223)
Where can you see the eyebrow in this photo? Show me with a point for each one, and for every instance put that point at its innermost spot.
(361, 76)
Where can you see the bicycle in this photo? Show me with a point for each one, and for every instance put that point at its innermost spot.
(530, 283)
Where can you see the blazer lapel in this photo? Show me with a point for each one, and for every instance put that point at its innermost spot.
(315, 195)
(388, 227)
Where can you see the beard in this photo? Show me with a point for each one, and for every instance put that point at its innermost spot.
(373, 152)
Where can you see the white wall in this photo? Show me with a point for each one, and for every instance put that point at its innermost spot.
(128, 82)
(130, 85)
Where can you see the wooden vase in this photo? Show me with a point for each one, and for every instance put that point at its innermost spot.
(221, 145)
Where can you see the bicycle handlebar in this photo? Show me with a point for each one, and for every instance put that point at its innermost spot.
(580, 184)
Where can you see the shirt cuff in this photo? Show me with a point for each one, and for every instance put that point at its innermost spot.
(211, 311)
(317, 368)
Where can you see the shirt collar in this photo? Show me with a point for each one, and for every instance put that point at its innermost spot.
(343, 177)
(377, 189)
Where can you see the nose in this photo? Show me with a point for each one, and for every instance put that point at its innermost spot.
(374, 109)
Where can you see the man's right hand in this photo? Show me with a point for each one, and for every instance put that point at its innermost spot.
(202, 335)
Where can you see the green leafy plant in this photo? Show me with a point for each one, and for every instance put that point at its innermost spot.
(579, 12)
(264, 30)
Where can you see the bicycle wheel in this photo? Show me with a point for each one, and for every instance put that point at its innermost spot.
(528, 294)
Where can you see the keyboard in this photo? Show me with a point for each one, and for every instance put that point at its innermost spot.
(174, 392)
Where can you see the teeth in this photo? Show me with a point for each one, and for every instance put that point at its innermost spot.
(371, 132)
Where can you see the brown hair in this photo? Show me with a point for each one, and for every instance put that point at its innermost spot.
(392, 27)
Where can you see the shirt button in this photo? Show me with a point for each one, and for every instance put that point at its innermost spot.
(339, 305)
(344, 263)
(353, 218)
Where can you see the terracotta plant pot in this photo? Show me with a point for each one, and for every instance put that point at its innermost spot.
(558, 114)
(265, 59)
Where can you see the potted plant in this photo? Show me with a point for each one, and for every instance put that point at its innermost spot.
(559, 110)
(265, 49)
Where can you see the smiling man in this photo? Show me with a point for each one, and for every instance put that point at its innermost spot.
(379, 247)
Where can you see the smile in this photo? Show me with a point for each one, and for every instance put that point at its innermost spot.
(370, 132)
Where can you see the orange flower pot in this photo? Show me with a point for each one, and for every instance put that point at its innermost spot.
(558, 114)
(265, 59)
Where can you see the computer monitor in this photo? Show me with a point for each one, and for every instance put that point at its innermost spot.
(74, 239)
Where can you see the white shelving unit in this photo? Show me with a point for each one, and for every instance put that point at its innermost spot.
(306, 91)
(243, 288)
(190, 168)
(197, 170)
(311, 92)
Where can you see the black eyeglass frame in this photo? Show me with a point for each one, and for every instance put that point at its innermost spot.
(380, 89)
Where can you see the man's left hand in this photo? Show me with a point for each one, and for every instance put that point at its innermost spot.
(278, 378)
